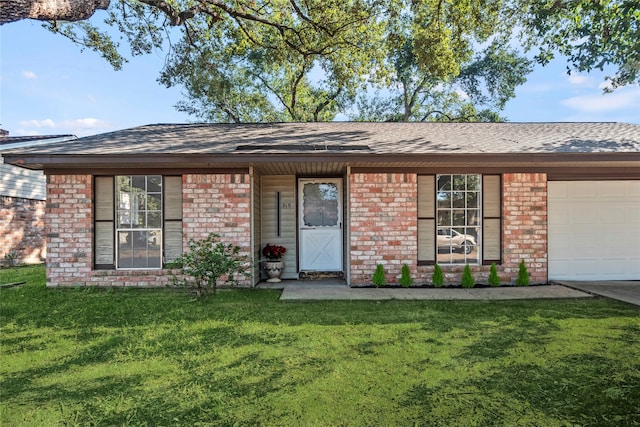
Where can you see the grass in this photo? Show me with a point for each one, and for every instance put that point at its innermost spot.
(138, 357)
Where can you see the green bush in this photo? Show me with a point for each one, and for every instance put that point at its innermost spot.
(207, 262)
(523, 275)
(437, 278)
(405, 277)
(11, 258)
(467, 278)
(379, 278)
(494, 279)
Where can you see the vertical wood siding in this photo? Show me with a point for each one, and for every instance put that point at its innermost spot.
(286, 185)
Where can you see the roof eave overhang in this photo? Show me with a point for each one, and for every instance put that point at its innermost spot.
(196, 161)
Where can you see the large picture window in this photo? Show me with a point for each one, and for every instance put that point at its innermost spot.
(138, 221)
(458, 219)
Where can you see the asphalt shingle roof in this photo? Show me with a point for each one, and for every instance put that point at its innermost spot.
(356, 138)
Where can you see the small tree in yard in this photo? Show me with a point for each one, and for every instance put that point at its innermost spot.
(467, 278)
(437, 278)
(523, 275)
(379, 278)
(405, 277)
(494, 279)
(208, 262)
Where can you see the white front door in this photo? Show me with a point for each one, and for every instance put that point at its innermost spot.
(320, 222)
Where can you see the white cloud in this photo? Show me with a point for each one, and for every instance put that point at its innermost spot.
(462, 94)
(600, 103)
(605, 85)
(80, 127)
(86, 123)
(46, 123)
(29, 75)
(577, 79)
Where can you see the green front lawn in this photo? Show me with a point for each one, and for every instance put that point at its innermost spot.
(144, 357)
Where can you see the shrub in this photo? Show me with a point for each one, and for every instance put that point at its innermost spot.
(379, 278)
(437, 278)
(523, 275)
(405, 277)
(494, 279)
(467, 278)
(207, 262)
(11, 258)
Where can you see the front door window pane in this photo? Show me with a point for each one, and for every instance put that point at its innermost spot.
(320, 205)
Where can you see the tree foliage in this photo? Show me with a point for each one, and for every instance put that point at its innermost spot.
(252, 74)
(478, 92)
(591, 34)
(292, 60)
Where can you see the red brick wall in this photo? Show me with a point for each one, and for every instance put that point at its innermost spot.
(383, 213)
(218, 204)
(383, 225)
(22, 230)
(525, 225)
(69, 229)
(211, 204)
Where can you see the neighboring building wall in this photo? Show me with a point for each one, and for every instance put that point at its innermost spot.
(384, 224)
(21, 183)
(22, 230)
(524, 225)
(211, 204)
(21, 214)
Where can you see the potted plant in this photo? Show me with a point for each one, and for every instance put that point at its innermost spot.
(274, 265)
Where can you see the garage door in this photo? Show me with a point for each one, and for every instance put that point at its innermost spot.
(594, 230)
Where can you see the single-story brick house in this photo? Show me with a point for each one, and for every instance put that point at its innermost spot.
(22, 196)
(343, 197)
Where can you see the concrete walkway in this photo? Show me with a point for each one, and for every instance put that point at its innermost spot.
(337, 290)
(626, 291)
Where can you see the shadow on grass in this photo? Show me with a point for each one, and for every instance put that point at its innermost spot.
(136, 357)
(82, 307)
(581, 390)
(96, 385)
(523, 375)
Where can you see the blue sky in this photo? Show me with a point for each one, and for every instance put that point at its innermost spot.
(49, 86)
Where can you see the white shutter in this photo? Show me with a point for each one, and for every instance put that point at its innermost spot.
(491, 219)
(426, 219)
(104, 222)
(172, 218)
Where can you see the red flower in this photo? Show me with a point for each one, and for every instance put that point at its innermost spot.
(274, 251)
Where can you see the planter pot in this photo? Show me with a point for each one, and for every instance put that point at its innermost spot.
(274, 270)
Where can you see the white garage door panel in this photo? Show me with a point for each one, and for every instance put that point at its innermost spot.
(594, 230)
